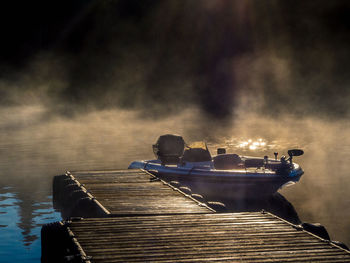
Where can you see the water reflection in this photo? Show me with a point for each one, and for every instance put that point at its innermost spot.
(31, 214)
(255, 145)
(276, 204)
(24, 208)
(250, 144)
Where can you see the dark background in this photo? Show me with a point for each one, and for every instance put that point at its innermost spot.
(166, 55)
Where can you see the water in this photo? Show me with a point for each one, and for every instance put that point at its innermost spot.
(22, 215)
(35, 146)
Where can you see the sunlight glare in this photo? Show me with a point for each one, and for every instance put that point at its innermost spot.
(252, 144)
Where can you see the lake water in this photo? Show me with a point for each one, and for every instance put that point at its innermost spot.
(36, 145)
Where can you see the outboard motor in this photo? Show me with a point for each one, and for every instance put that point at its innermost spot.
(169, 148)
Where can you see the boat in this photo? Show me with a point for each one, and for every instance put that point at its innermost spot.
(222, 176)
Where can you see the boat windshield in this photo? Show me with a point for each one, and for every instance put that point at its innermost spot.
(196, 152)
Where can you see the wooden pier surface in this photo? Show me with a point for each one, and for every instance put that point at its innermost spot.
(229, 237)
(146, 220)
(121, 192)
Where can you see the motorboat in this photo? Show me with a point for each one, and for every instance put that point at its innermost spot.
(222, 176)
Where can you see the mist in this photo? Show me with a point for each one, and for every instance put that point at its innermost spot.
(161, 57)
(88, 85)
(34, 148)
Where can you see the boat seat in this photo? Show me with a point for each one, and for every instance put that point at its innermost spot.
(253, 163)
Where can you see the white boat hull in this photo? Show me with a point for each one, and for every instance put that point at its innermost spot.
(215, 184)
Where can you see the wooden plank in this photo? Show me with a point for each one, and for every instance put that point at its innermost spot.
(247, 237)
(123, 192)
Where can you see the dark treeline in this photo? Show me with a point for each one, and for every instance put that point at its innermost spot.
(164, 55)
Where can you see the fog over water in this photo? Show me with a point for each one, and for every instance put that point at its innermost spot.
(92, 84)
(35, 147)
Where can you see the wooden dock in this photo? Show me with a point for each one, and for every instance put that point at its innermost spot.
(143, 219)
(120, 192)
